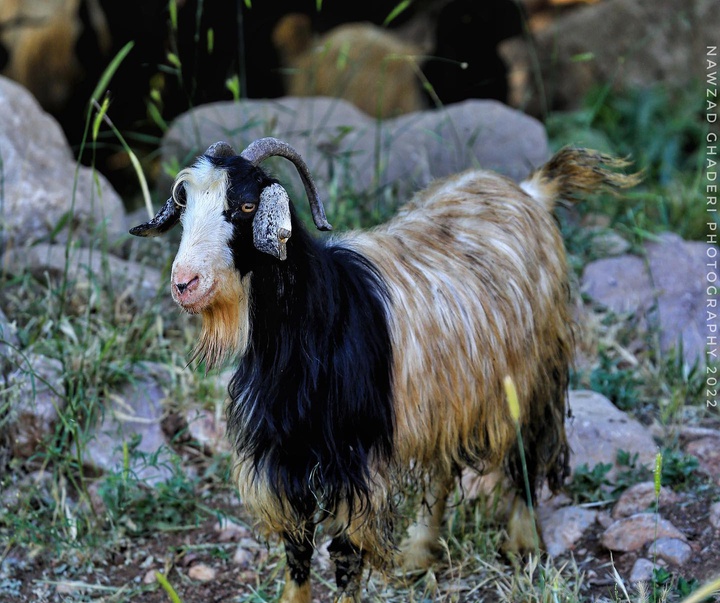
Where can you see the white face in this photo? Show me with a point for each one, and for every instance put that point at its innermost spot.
(204, 262)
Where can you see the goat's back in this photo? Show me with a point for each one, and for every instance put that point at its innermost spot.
(476, 272)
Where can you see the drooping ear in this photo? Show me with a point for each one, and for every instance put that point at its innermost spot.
(272, 226)
(163, 221)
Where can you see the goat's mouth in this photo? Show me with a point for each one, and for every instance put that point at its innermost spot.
(195, 301)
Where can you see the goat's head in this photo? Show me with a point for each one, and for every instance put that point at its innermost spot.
(221, 197)
(226, 203)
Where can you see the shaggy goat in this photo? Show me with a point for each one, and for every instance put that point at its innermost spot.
(379, 355)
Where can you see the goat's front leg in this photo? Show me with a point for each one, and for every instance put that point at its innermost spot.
(298, 551)
(422, 546)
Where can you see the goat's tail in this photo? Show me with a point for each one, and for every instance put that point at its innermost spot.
(574, 172)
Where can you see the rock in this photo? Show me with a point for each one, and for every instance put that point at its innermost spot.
(8, 334)
(715, 515)
(597, 430)
(135, 411)
(707, 451)
(9, 342)
(562, 528)
(669, 294)
(640, 498)
(672, 550)
(208, 429)
(38, 179)
(230, 531)
(348, 151)
(642, 571)
(243, 557)
(35, 393)
(149, 577)
(133, 285)
(634, 532)
(202, 572)
(573, 54)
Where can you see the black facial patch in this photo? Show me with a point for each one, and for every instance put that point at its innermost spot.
(246, 181)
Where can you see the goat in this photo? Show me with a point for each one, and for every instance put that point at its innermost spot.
(379, 356)
(359, 62)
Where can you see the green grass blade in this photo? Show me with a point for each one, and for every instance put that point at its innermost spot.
(110, 71)
(167, 587)
(399, 8)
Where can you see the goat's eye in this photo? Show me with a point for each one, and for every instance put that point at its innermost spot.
(248, 208)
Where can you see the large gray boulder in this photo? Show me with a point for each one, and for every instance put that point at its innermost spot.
(38, 178)
(348, 151)
(134, 286)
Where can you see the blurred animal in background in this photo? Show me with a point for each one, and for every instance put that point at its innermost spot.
(40, 38)
(360, 62)
(59, 50)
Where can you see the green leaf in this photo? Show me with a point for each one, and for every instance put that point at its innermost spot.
(110, 71)
(174, 60)
(233, 85)
(99, 117)
(399, 8)
(167, 587)
(173, 14)
(210, 40)
(157, 117)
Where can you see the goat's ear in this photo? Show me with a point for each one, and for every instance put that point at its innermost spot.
(272, 226)
(165, 219)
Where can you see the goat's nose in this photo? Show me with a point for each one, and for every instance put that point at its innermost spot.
(187, 286)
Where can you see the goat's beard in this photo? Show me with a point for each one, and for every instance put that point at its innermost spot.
(225, 323)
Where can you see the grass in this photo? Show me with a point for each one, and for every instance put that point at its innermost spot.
(59, 515)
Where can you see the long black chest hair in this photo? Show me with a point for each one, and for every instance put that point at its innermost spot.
(311, 402)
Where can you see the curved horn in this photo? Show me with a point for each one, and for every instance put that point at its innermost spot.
(261, 149)
(163, 221)
(220, 149)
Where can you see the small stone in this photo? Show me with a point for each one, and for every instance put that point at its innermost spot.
(202, 572)
(230, 531)
(208, 429)
(715, 515)
(672, 550)
(632, 533)
(640, 498)
(707, 451)
(242, 557)
(561, 529)
(149, 577)
(642, 571)
(68, 588)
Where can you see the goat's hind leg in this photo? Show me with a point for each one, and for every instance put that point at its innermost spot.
(298, 551)
(348, 560)
(421, 548)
